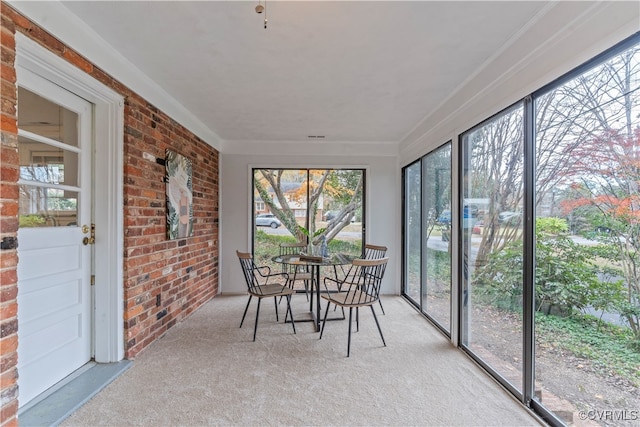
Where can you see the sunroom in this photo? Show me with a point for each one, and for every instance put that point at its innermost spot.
(492, 147)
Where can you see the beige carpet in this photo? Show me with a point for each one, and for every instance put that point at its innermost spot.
(207, 371)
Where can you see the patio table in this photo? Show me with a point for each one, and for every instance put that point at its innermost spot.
(314, 263)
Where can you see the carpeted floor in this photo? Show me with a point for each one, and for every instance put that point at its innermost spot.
(207, 371)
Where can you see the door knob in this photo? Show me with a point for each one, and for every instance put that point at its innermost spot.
(89, 240)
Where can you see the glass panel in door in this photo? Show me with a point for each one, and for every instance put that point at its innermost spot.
(49, 162)
(587, 329)
(437, 227)
(412, 233)
(492, 245)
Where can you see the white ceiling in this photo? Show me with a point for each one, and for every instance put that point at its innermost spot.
(350, 71)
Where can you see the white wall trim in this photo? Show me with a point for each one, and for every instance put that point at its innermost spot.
(55, 18)
(311, 148)
(108, 179)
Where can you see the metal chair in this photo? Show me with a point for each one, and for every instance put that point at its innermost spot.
(370, 252)
(362, 290)
(296, 272)
(375, 252)
(259, 287)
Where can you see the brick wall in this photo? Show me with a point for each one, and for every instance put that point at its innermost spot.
(183, 273)
(8, 227)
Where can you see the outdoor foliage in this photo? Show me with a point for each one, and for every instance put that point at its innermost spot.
(280, 189)
(568, 276)
(609, 348)
(32, 221)
(439, 270)
(268, 245)
(605, 188)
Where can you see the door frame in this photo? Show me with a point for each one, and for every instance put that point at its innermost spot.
(108, 135)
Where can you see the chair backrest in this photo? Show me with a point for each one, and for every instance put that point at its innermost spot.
(252, 274)
(248, 269)
(291, 249)
(369, 274)
(374, 251)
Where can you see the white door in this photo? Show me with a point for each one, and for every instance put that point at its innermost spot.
(54, 268)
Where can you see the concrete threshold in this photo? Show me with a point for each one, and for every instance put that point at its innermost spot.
(64, 398)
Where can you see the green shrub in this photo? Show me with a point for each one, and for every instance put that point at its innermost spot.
(567, 274)
(32, 220)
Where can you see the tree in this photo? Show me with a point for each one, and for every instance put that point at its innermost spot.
(345, 188)
(607, 179)
(279, 188)
(493, 170)
(604, 176)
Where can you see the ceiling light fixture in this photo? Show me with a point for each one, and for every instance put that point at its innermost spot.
(260, 8)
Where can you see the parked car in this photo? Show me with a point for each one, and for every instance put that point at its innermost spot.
(445, 217)
(268, 220)
(477, 228)
(470, 211)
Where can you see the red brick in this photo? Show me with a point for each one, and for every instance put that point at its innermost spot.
(8, 124)
(9, 310)
(7, 54)
(15, 17)
(9, 156)
(8, 72)
(9, 192)
(8, 379)
(9, 173)
(9, 344)
(8, 208)
(8, 277)
(9, 90)
(7, 35)
(78, 60)
(8, 224)
(8, 107)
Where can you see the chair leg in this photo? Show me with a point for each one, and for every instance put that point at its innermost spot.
(245, 310)
(255, 328)
(381, 307)
(357, 319)
(275, 300)
(349, 339)
(306, 289)
(290, 313)
(289, 284)
(324, 320)
(378, 324)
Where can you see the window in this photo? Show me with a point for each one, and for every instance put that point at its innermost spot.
(49, 159)
(412, 235)
(299, 200)
(427, 230)
(587, 228)
(549, 226)
(492, 269)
